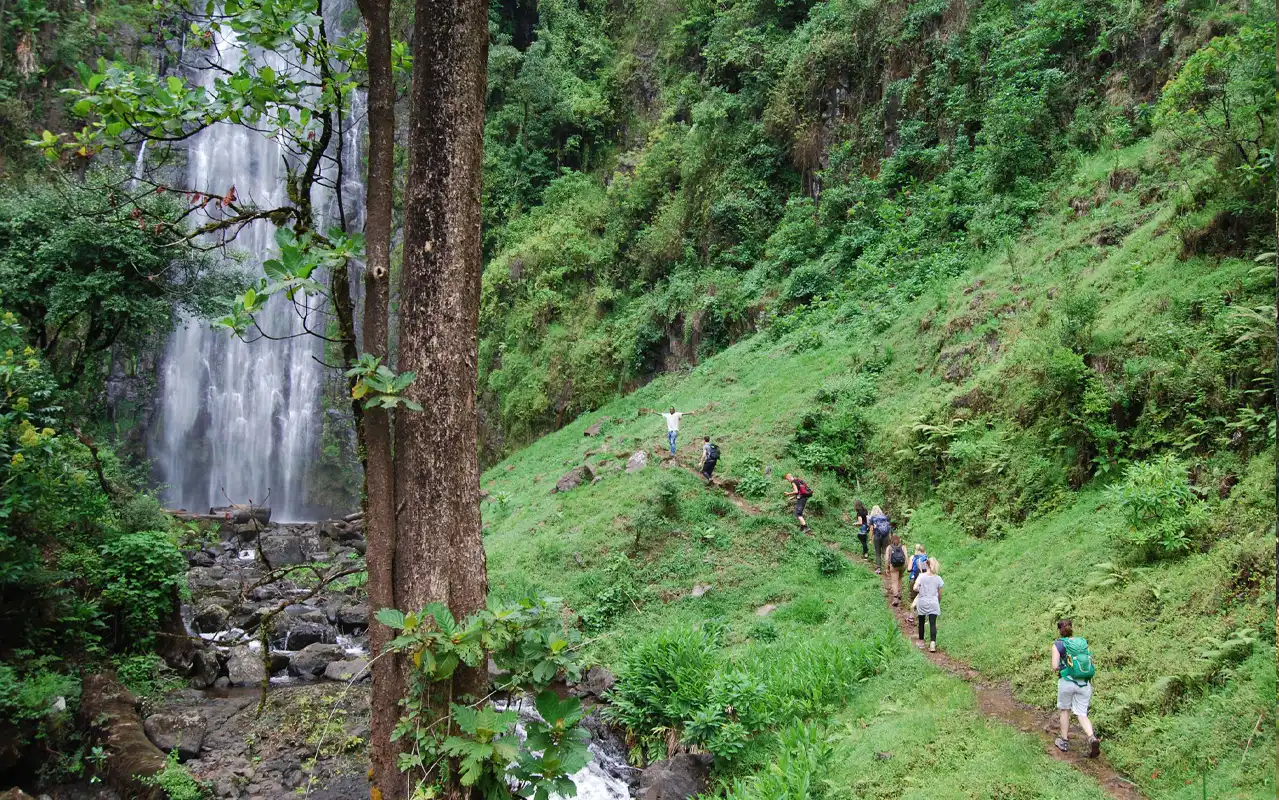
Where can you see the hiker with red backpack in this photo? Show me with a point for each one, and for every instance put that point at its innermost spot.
(1072, 661)
(882, 529)
(801, 493)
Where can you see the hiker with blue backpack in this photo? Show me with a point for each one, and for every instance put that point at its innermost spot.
(1072, 661)
(882, 529)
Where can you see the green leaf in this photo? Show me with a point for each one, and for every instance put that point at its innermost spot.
(274, 270)
(391, 618)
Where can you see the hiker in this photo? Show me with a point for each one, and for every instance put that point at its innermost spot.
(879, 521)
(801, 493)
(710, 457)
(896, 568)
(1072, 661)
(918, 563)
(928, 604)
(672, 423)
(863, 526)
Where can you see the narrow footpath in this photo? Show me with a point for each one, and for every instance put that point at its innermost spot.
(994, 699)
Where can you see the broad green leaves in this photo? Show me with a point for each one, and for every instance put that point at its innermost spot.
(379, 387)
(527, 640)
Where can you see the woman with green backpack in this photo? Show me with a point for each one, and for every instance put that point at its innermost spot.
(1072, 660)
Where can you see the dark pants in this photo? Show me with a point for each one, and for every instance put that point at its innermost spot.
(708, 469)
(932, 627)
(800, 502)
(861, 537)
(881, 547)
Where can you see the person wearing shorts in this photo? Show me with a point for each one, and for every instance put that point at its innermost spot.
(801, 493)
(1073, 697)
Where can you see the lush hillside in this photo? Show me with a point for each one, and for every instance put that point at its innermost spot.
(662, 178)
(1077, 424)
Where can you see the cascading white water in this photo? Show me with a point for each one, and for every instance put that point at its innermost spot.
(240, 419)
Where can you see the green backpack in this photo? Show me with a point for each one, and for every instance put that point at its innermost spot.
(1077, 666)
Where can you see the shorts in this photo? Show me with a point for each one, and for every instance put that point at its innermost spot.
(800, 502)
(1073, 697)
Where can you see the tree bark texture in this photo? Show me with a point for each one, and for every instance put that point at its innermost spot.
(379, 488)
(439, 555)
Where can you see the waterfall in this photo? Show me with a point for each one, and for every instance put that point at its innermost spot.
(240, 419)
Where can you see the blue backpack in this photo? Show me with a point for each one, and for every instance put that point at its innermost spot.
(882, 528)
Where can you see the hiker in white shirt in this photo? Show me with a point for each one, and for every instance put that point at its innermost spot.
(672, 423)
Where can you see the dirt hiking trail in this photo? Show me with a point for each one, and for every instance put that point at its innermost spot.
(994, 698)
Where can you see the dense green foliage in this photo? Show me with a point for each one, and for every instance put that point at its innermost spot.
(662, 178)
(87, 267)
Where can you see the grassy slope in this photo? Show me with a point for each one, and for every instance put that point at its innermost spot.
(1001, 594)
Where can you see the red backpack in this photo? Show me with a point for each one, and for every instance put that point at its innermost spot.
(803, 489)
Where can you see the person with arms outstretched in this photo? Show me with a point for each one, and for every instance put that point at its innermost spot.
(801, 493)
(672, 423)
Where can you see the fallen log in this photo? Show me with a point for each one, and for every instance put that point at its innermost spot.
(110, 711)
(240, 514)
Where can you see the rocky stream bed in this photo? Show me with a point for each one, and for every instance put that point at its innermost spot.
(263, 614)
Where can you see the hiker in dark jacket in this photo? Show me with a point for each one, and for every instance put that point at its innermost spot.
(801, 493)
(882, 530)
(710, 457)
(862, 521)
(1072, 661)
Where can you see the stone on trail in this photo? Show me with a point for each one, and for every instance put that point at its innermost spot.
(677, 778)
(244, 667)
(700, 589)
(765, 610)
(571, 480)
(347, 671)
(179, 730)
(637, 461)
(594, 430)
(311, 661)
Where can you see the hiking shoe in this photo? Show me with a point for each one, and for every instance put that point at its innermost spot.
(877, 572)
(1062, 744)
(910, 618)
(1094, 747)
(932, 647)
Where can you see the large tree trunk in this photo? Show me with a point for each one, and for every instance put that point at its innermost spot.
(439, 555)
(379, 488)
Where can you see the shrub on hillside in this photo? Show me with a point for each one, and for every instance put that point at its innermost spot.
(829, 562)
(143, 512)
(142, 573)
(678, 685)
(1160, 512)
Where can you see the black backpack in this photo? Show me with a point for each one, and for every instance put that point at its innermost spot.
(712, 453)
(897, 556)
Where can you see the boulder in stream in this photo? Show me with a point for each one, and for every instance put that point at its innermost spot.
(210, 618)
(244, 667)
(350, 617)
(180, 730)
(677, 778)
(311, 661)
(282, 550)
(346, 671)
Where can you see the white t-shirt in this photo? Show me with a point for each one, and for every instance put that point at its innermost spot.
(672, 420)
(929, 588)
